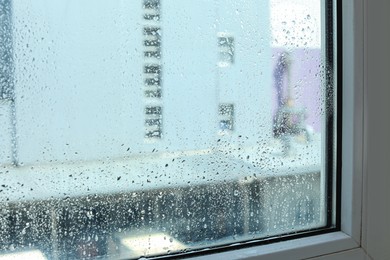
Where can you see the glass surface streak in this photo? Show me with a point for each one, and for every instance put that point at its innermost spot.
(155, 127)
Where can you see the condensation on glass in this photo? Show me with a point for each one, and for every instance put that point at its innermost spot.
(152, 127)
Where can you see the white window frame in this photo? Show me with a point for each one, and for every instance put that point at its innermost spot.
(365, 211)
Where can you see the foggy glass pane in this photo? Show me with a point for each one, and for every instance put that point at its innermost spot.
(152, 127)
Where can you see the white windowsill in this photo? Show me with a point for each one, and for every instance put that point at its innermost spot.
(301, 248)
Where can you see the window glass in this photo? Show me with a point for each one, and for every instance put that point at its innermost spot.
(154, 127)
